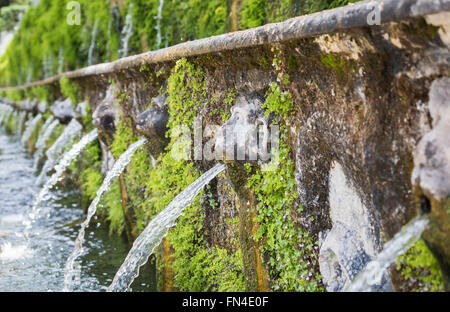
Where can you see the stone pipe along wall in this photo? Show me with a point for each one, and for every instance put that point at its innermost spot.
(364, 116)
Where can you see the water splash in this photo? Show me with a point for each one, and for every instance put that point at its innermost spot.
(10, 253)
(2, 112)
(61, 60)
(43, 138)
(127, 31)
(7, 36)
(5, 39)
(119, 166)
(72, 130)
(372, 274)
(46, 131)
(29, 73)
(44, 128)
(93, 42)
(47, 65)
(9, 116)
(22, 117)
(60, 168)
(31, 125)
(155, 231)
(158, 24)
(6, 112)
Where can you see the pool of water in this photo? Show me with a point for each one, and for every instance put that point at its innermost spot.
(33, 254)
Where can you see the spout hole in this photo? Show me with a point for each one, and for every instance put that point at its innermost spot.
(425, 204)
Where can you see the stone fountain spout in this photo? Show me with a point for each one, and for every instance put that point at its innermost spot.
(63, 110)
(28, 105)
(42, 107)
(152, 123)
(245, 135)
(106, 115)
(431, 175)
(81, 112)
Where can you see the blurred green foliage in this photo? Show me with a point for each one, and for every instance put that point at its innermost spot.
(47, 44)
(10, 12)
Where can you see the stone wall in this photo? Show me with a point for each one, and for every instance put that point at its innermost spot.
(367, 132)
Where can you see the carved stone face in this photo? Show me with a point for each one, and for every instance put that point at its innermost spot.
(28, 105)
(42, 107)
(432, 156)
(431, 174)
(63, 110)
(245, 135)
(152, 123)
(106, 115)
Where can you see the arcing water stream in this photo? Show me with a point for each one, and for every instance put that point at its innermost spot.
(119, 166)
(22, 117)
(93, 43)
(28, 242)
(127, 31)
(32, 124)
(35, 262)
(70, 132)
(155, 231)
(43, 137)
(372, 274)
(60, 168)
(158, 24)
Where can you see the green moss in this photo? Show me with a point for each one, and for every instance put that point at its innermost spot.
(290, 252)
(31, 143)
(70, 89)
(111, 205)
(87, 119)
(14, 95)
(139, 171)
(186, 89)
(41, 93)
(52, 38)
(11, 125)
(123, 138)
(91, 180)
(278, 101)
(338, 64)
(419, 266)
(197, 266)
(223, 111)
(90, 176)
(292, 259)
(312, 6)
(86, 172)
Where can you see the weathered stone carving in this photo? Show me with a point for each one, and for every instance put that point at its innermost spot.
(42, 107)
(107, 158)
(152, 123)
(431, 174)
(245, 136)
(351, 243)
(106, 115)
(63, 110)
(28, 105)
